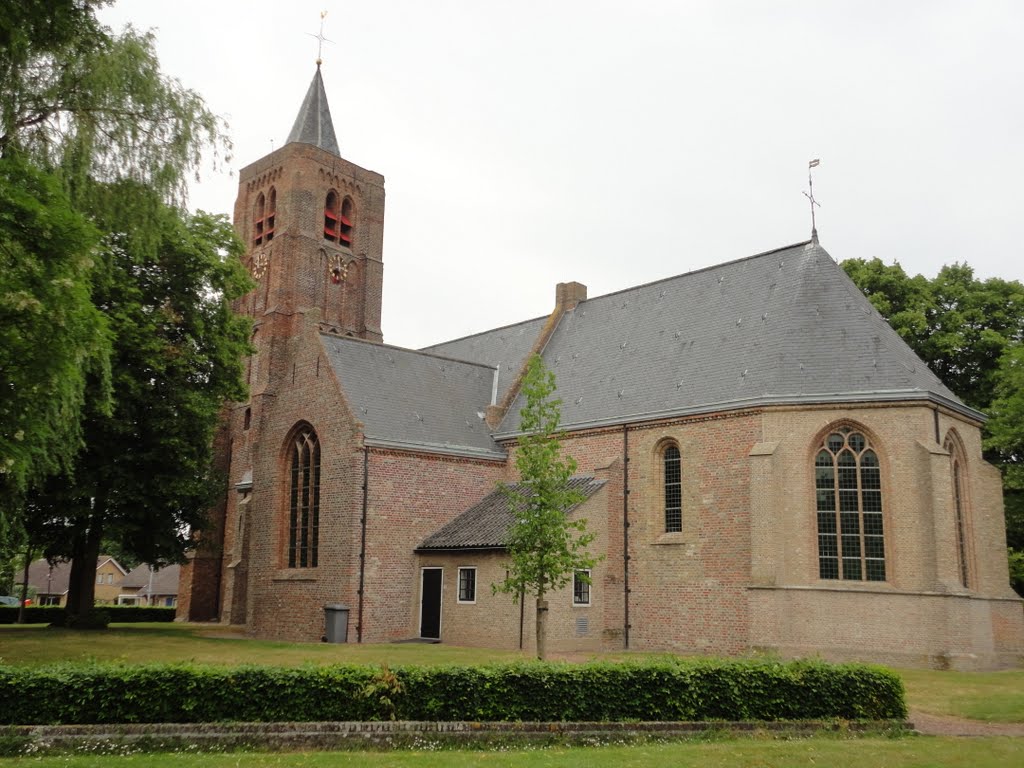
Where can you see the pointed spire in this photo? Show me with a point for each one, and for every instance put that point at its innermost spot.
(313, 124)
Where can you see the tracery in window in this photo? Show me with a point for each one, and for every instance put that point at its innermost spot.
(673, 483)
(304, 499)
(848, 490)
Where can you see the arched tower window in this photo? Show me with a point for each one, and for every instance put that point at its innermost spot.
(303, 499)
(848, 489)
(673, 485)
(956, 468)
(338, 216)
(268, 234)
(259, 219)
(263, 217)
(345, 224)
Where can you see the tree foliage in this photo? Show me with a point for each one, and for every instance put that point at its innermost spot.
(144, 478)
(51, 335)
(545, 547)
(127, 293)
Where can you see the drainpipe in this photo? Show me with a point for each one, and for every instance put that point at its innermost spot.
(362, 541)
(625, 533)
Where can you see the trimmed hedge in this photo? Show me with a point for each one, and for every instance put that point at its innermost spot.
(671, 690)
(120, 614)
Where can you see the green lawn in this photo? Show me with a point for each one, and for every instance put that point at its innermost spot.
(738, 753)
(993, 696)
(36, 644)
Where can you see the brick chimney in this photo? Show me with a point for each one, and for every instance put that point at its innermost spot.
(568, 295)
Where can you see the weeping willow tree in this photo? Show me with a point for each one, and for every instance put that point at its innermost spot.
(114, 320)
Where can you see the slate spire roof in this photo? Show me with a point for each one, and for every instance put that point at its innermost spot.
(313, 124)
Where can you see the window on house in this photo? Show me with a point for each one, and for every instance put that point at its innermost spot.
(959, 506)
(581, 588)
(99, 578)
(467, 585)
(673, 481)
(304, 499)
(848, 490)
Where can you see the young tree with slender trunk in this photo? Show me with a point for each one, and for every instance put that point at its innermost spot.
(545, 548)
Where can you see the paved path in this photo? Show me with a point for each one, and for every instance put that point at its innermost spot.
(946, 725)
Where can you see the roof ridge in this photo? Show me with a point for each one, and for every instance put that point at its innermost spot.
(406, 349)
(489, 330)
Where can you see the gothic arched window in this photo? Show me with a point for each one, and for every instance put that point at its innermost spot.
(345, 223)
(848, 490)
(332, 210)
(956, 467)
(303, 499)
(673, 485)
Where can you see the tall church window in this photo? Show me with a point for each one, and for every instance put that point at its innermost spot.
(673, 485)
(848, 490)
(264, 215)
(304, 499)
(956, 462)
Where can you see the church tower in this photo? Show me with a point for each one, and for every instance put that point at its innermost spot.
(313, 224)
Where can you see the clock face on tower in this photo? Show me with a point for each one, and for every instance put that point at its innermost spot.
(260, 260)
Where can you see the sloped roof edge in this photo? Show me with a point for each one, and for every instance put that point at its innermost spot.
(823, 398)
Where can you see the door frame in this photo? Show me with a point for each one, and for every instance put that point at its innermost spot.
(440, 599)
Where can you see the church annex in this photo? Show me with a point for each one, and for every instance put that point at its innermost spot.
(766, 465)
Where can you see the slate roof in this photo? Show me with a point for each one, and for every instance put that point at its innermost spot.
(413, 399)
(503, 348)
(785, 326)
(313, 124)
(485, 524)
(165, 580)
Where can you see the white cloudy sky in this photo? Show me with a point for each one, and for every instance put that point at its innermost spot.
(528, 142)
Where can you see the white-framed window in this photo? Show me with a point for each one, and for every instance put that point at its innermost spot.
(467, 585)
(581, 588)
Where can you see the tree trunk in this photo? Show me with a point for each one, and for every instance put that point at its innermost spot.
(82, 579)
(542, 627)
(24, 587)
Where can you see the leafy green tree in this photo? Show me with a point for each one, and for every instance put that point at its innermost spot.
(145, 478)
(97, 147)
(545, 547)
(51, 335)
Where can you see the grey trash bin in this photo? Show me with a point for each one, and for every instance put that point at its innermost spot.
(336, 623)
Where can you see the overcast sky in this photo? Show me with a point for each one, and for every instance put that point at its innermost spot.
(530, 142)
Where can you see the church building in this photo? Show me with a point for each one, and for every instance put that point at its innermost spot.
(765, 464)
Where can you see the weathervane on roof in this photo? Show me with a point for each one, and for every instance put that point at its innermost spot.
(320, 40)
(810, 196)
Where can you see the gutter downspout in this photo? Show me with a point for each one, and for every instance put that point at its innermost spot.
(362, 541)
(625, 533)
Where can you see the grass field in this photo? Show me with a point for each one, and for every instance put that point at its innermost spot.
(739, 753)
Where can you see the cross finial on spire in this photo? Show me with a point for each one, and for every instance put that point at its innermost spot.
(810, 196)
(320, 40)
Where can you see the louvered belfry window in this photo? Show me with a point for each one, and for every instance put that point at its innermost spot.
(672, 465)
(304, 500)
(848, 491)
(338, 219)
(263, 217)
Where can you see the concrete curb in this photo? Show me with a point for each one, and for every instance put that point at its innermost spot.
(118, 739)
